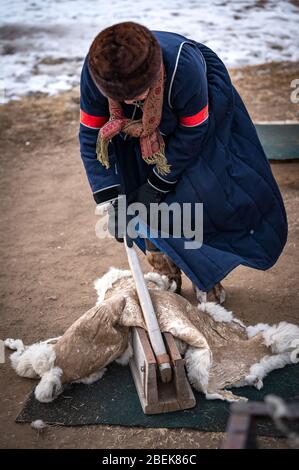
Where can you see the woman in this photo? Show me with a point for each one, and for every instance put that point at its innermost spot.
(160, 120)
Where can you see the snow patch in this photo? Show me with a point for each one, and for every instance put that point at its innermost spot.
(44, 41)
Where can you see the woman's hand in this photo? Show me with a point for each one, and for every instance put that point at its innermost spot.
(146, 194)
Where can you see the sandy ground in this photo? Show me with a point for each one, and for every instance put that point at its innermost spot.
(50, 255)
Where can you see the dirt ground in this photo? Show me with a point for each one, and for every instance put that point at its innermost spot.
(50, 254)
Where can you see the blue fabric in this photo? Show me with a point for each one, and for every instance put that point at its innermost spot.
(220, 163)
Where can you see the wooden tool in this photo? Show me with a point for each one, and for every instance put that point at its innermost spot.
(169, 390)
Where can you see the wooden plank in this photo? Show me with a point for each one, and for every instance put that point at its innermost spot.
(147, 349)
(149, 314)
(239, 432)
(143, 367)
(256, 408)
(172, 347)
(184, 392)
(156, 396)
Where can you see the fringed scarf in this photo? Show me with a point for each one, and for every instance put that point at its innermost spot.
(151, 141)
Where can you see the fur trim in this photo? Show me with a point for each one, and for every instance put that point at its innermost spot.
(32, 361)
(50, 386)
(219, 313)
(264, 367)
(161, 280)
(14, 344)
(21, 363)
(104, 283)
(42, 357)
(198, 364)
(258, 328)
(280, 337)
(283, 339)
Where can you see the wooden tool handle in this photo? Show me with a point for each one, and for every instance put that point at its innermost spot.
(149, 314)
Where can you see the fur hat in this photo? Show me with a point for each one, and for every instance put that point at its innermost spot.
(124, 60)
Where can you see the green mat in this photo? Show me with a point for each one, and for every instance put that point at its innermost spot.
(280, 140)
(114, 400)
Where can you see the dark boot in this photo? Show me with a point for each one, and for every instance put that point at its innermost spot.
(217, 294)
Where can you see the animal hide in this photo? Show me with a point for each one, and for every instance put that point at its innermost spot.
(219, 350)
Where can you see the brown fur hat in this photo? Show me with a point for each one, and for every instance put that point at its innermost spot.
(124, 60)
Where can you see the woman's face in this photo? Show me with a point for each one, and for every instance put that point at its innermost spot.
(139, 97)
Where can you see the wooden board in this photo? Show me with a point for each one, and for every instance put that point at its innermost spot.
(155, 396)
(241, 426)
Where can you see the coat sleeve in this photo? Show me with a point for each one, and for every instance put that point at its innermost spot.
(94, 113)
(189, 102)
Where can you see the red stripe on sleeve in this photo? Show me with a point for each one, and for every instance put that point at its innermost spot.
(196, 119)
(94, 122)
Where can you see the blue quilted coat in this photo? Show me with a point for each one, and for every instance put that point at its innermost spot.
(216, 158)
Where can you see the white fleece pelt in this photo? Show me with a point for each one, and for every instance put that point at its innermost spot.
(38, 360)
(282, 339)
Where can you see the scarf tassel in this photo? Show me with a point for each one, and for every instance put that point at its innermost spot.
(158, 158)
(102, 151)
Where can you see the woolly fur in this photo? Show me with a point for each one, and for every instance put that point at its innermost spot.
(38, 360)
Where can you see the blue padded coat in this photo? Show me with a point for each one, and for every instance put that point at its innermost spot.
(216, 158)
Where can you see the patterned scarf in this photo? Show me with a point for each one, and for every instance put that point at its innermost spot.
(151, 141)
